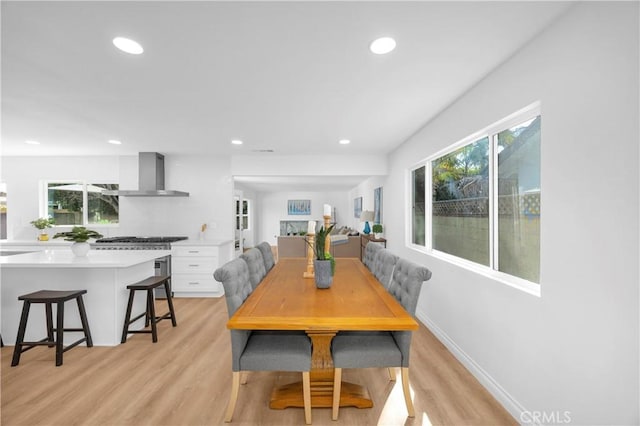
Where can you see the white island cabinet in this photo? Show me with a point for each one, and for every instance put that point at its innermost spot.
(193, 264)
(104, 274)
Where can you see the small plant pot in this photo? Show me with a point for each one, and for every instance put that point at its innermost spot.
(323, 275)
(378, 236)
(43, 236)
(80, 249)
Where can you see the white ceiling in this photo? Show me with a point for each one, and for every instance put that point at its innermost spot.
(294, 77)
(298, 183)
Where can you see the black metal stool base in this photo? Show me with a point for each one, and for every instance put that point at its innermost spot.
(148, 285)
(49, 297)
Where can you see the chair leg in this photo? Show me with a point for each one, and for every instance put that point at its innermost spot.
(49, 314)
(151, 311)
(167, 289)
(306, 396)
(59, 334)
(127, 318)
(406, 390)
(392, 374)
(233, 398)
(243, 377)
(337, 384)
(17, 350)
(85, 322)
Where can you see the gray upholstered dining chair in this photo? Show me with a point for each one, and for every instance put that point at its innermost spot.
(383, 265)
(370, 251)
(267, 255)
(252, 351)
(255, 261)
(382, 348)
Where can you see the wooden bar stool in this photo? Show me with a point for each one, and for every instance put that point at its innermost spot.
(148, 285)
(49, 297)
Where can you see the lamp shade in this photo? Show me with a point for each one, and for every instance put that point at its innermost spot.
(366, 216)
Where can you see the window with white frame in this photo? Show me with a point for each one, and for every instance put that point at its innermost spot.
(242, 214)
(80, 203)
(484, 205)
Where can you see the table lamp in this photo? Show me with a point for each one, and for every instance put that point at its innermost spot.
(366, 216)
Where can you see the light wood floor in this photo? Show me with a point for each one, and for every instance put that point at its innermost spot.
(185, 378)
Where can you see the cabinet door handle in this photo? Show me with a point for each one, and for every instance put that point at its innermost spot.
(194, 266)
(194, 283)
(194, 251)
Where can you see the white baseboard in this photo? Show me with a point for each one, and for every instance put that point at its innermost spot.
(499, 393)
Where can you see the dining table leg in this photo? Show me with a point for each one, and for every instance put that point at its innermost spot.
(322, 375)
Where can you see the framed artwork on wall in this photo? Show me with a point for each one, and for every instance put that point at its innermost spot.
(299, 207)
(357, 207)
(377, 205)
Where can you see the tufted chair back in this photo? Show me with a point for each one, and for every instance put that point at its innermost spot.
(255, 261)
(405, 286)
(267, 255)
(383, 265)
(234, 276)
(370, 251)
(406, 283)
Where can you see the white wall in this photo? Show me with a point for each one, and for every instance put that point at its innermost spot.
(207, 179)
(273, 208)
(574, 349)
(365, 190)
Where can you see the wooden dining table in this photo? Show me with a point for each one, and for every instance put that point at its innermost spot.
(356, 301)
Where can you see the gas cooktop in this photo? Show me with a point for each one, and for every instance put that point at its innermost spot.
(140, 240)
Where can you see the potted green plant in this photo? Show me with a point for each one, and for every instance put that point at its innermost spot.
(79, 235)
(43, 223)
(377, 231)
(324, 265)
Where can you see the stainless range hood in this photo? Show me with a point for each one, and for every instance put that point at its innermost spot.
(150, 179)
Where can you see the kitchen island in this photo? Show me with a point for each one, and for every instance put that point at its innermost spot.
(104, 274)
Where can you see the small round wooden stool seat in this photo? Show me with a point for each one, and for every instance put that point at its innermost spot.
(148, 285)
(49, 297)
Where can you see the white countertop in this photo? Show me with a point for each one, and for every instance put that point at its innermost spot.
(57, 243)
(194, 242)
(94, 259)
(60, 243)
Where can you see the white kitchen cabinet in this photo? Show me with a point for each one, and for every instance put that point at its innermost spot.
(192, 267)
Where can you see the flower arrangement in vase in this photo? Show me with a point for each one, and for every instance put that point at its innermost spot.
(43, 223)
(377, 231)
(324, 264)
(79, 235)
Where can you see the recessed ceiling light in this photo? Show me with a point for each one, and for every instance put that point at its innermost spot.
(128, 45)
(344, 142)
(32, 142)
(236, 142)
(114, 142)
(382, 45)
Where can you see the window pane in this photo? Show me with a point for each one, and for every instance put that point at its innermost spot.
(519, 200)
(460, 216)
(64, 203)
(103, 209)
(418, 214)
